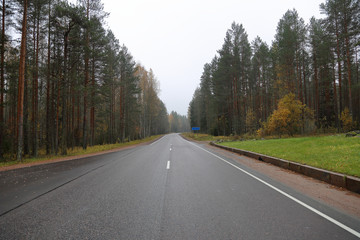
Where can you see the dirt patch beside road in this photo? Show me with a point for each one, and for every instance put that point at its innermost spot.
(67, 158)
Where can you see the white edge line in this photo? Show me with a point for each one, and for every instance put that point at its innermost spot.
(157, 141)
(350, 230)
(168, 165)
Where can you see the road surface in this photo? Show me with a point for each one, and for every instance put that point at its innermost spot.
(170, 189)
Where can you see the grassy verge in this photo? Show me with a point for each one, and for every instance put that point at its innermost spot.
(78, 151)
(334, 153)
(205, 137)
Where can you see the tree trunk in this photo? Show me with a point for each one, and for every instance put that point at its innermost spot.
(335, 101)
(304, 79)
(26, 126)
(48, 88)
(121, 112)
(20, 104)
(111, 114)
(72, 117)
(86, 79)
(35, 88)
(339, 64)
(56, 137)
(2, 72)
(298, 74)
(357, 96)
(92, 110)
(78, 119)
(317, 99)
(348, 62)
(64, 93)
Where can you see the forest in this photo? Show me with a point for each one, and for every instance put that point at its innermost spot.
(306, 82)
(66, 82)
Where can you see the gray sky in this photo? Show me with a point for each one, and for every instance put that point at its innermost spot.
(176, 38)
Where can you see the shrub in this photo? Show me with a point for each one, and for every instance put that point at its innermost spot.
(347, 120)
(289, 117)
(250, 121)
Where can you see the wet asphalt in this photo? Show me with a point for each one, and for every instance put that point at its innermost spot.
(170, 189)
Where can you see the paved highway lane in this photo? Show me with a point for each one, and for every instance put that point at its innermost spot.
(171, 189)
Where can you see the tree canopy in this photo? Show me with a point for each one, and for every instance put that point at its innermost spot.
(315, 64)
(77, 85)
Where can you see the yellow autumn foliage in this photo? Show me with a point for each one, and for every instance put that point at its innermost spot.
(288, 118)
(346, 120)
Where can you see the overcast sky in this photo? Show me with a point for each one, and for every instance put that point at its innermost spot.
(177, 37)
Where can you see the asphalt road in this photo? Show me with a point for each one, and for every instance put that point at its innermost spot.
(171, 189)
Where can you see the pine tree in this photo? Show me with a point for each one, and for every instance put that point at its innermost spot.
(20, 105)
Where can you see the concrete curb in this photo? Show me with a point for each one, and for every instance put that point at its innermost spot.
(336, 179)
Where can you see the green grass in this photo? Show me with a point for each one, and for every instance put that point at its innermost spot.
(77, 151)
(334, 153)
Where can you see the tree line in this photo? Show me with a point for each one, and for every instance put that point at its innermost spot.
(178, 123)
(314, 65)
(68, 82)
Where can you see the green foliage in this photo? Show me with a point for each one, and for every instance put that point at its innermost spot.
(81, 86)
(250, 121)
(335, 153)
(289, 39)
(316, 62)
(216, 106)
(178, 123)
(262, 132)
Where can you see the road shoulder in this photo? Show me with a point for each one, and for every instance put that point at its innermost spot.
(68, 158)
(339, 198)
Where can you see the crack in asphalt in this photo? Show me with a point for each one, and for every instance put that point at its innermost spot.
(61, 185)
(51, 190)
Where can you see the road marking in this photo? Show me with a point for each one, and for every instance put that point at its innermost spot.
(350, 230)
(157, 141)
(168, 165)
